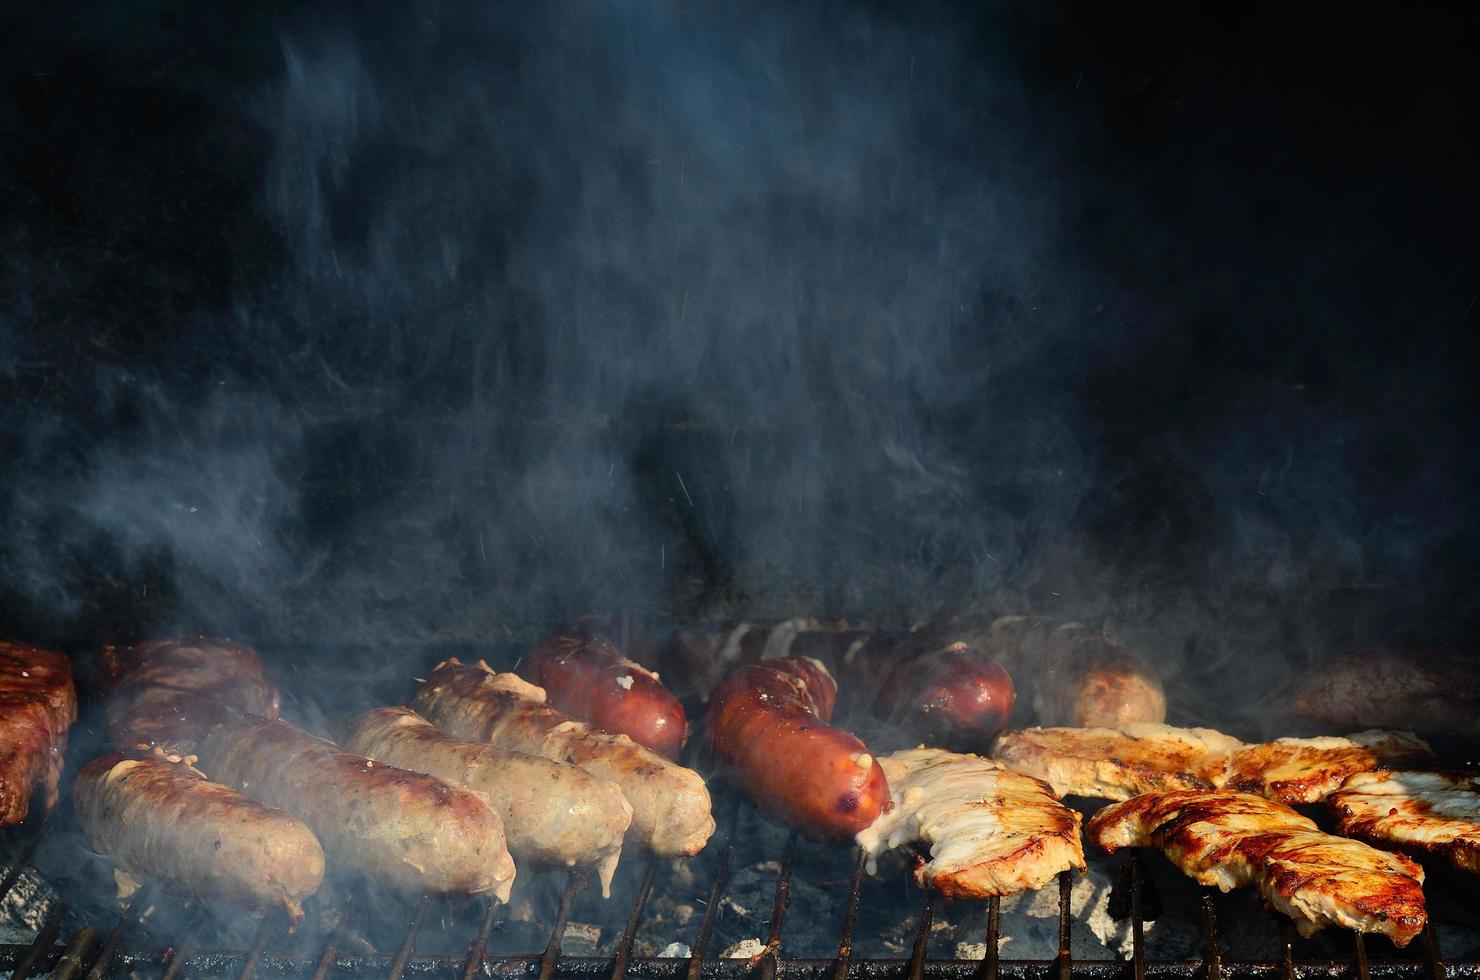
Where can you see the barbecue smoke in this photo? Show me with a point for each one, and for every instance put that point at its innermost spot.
(526, 311)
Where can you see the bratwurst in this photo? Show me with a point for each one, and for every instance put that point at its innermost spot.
(670, 804)
(555, 815)
(165, 820)
(405, 830)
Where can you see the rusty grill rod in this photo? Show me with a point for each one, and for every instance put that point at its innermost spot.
(1360, 947)
(1065, 958)
(922, 937)
(479, 949)
(1431, 952)
(74, 958)
(1212, 962)
(264, 934)
(398, 965)
(1287, 948)
(716, 893)
(987, 970)
(13, 873)
(136, 907)
(331, 949)
(1138, 936)
(771, 956)
(850, 919)
(42, 946)
(629, 934)
(575, 883)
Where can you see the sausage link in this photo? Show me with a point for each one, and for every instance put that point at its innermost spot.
(404, 830)
(555, 815)
(166, 821)
(587, 678)
(670, 804)
(768, 727)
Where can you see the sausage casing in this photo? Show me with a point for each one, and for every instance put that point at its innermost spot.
(166, 821)
(587, 678)
(767, 725)
(555, 815)
(405, 830)
(671, 810)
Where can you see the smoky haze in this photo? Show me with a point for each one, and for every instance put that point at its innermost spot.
(421, 324)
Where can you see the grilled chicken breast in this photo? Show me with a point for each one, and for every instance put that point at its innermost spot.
(1233, 839)
(1424, 813)
(1307, 770)
(38, 705)
(1118, 763)
(991, 831)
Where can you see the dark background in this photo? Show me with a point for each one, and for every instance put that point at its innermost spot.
(367, 324)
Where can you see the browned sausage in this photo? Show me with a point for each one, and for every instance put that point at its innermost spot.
(166, 821)
(38, 705)
(405, 830)
(1079, 677)
(767, 725)
(588, 678)
(171, 692)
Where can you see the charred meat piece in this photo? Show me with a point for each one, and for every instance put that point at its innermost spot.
(991, 831)
(670, 804)
(37, 708)
(404, 830)
(165, 820)
(1306, 770)
(169, 693)
(38, 705)
(1233, 840)
(555, 815)
(1119, 763)
(1435, 691)
(588, 678)
(1427, 814)
(768, 728)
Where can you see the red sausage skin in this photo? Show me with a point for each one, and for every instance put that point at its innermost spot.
(768, 729)
(586, 677)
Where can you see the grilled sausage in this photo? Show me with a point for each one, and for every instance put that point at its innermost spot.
(1080, 678)
(38, 705)
(405, 830)
(169, 693)
(554, 814)
(670, 804)
(587, 678)
(767, 726)
(166, 821)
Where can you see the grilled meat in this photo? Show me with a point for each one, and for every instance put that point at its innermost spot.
(670, 804)
(1434, 691)
(768, 727)
(38, 705)
(405, 830)
(1078, 677)
(555, 815)
(1306, 770)
(588, 678)
(169, 693)
(165, 820)
(1427, 814)
(1233, 839)
(991, 831)
(1118, 763)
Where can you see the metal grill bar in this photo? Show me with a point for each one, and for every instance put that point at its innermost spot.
(41, 947)
(1138, 932)
(1431, 951)
(13, 873)
(1360, 943)
(181, 951)
(771, 955)
(1212, 962)
(398, 965)
(74, 958)
(922, 937)
(331, 950)
(264, 935)
(575, 883)
(479, 949)
(629, 934)
(716, 892)
(850, 919)
(136, 907)
(988, 968)
(1065, 958)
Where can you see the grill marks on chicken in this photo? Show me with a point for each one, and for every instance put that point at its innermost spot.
(555, 815)
(991, 831)
(1119, 763)
(38, 705)
(671, 813)
(167, 821)
(406, 830)
(1232, 839)
(169, 693)
(1307, 770)
(1428, 814)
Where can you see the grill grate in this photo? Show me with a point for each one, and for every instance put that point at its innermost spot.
(81, 952)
